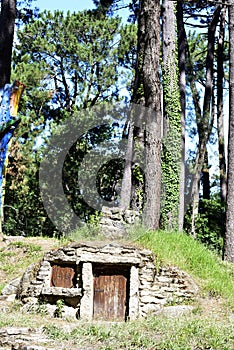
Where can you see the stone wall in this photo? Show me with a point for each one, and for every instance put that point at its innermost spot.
(150, 288)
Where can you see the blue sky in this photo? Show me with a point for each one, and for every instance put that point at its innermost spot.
(65, 5)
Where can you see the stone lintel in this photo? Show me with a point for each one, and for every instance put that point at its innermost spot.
(109, 259)
(63, 292)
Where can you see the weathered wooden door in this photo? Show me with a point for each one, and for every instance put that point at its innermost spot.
(62, 276)
(110, 297)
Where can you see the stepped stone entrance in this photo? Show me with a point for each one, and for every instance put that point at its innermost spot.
(111, 292)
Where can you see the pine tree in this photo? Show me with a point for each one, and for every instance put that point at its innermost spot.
(7, 25)
(229, 234)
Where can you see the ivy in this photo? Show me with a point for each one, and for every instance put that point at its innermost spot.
(171, 147)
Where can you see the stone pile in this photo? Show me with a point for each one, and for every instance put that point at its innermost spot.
(115, 221)
(15, 338)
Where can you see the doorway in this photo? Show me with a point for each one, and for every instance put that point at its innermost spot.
(111, 292)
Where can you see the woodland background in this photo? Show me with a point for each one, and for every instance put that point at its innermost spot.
(175, 57)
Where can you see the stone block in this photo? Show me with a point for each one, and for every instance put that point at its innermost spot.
(11, 287)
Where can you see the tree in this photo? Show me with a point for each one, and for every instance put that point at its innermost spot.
(220, 112)
(7, 25)
(171, 155)
(147, 92)
(229, 234)
(74, 46)
(204, 116)
(182, 85)
(62, 79)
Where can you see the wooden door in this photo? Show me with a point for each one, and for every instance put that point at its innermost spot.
(110, 297)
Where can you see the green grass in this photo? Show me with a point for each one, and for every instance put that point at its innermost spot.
(214, 276)
(28, 247)
(152, 333)
(86, 232)
(188, 332)
(17, 257)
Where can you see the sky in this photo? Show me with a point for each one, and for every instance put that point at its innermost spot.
(65, 5)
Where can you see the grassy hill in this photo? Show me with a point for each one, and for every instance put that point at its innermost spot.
(208, 326)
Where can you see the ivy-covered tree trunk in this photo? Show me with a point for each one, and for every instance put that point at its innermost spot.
(172, 150)
(7, 24)
(229, 235)
(182, 83)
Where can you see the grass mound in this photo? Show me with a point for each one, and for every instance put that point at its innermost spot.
(214, 276)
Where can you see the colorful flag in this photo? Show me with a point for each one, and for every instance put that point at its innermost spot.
(9, 103)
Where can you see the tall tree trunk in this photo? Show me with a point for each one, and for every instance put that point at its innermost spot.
(204, 124)
(206, 167)
(220, 112)
(171, 151)
(7, 24)
(228, 253)
(147, 91)
(182, 84)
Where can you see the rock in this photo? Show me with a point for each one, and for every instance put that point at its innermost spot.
(69, 312)
(28, 277)
(176, 310)
(115, 221)
(11, 287)
(22, 338)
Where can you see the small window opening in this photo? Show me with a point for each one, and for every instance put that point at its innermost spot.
(63, 276)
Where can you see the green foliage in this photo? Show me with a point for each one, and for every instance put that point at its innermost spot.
(68, 62)
(55, 332)
(83, 47)
(59, 308)
(209, 223)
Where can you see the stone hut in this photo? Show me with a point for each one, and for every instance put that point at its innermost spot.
(109, 281)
